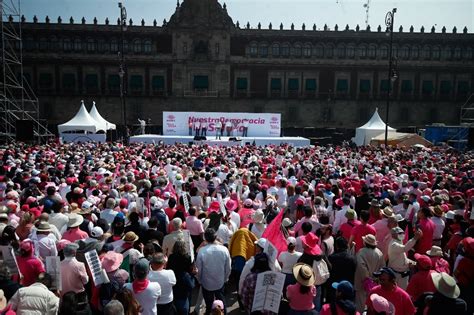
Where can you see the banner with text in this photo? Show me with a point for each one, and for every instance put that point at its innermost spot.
(259, 125)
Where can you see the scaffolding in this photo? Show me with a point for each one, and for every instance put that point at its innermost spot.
(17, 99)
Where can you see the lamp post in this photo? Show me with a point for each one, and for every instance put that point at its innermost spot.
(122, 71)
(392, 76)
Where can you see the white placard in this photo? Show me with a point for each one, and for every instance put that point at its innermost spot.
(268, 291)
(185, 201)
(221, 204)
(53, 267)
(271, 252)
(259, 124)
(8, 259)
(99, 276)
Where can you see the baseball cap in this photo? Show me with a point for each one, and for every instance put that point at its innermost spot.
(291, 240)
(261, 242)
(97, 232)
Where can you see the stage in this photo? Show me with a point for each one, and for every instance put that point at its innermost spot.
(225, 141)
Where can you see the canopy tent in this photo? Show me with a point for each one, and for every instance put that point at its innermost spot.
(82, 121)
(374, 127)
(102, 124)
(401, 139)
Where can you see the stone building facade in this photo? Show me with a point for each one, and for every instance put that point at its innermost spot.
(201, 60)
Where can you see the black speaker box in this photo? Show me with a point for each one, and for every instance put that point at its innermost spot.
(24, 130)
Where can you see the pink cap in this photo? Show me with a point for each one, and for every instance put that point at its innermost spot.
(381, 304)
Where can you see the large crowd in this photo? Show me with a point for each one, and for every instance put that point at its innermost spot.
(189, 228)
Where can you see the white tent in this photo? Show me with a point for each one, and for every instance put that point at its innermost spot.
(374, 127)
(82, 121)
(102, 124)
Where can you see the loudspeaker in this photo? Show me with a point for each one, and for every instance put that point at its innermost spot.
(203, 138)
(470, 138)
(247, 143)
(235, 139)
(24, 130)
(200, 138)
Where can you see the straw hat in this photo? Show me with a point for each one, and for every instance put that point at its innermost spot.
(258, 217)
(44, 227)
(304, 274)
(74, 220)
(435, 251)
(130, 237)
(445, 284)
(438, 211)
(387, 212)
(369, 239)
(374, 203)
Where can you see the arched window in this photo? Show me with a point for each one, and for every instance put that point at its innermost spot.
(426, 54)
(467, 53)
(350, 51)
(103, 46)
(285, 50)
(137, 46)
(457, 53)
(114, 45)
(405, 52)
(147, 47)
(91, 45)
(67, 44)
(263, 50)
(275, 50)
(362, 51)
(384, 52)
(318, 51)
(77, 44)
(307, 50)
(447, 53)
(341, 51)
(253, 49)
(415, 52)
(297, 50)
(435, 53)
(329, 51)
(372, 51)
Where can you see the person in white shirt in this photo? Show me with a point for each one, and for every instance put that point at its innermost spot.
(108, 214)
(228, 127)
(245, 128)
(147, 294)
(437, 219)
(341, 215)
(166, 279)
(58, 219)
(197, 128)
(213, 265)
(45, 243)
(218, 129)
(287, 260)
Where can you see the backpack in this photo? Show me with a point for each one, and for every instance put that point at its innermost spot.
(321, 271)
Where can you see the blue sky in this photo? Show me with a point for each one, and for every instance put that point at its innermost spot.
(441, 13)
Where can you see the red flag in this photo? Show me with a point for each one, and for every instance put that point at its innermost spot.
(169, 188)
(274, 234)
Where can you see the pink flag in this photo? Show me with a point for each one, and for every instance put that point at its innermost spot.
(169, 188)
(274, 234)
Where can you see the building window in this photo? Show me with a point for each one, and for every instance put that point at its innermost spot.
(319, 51)
(297, 50)
(185, 48)
(285, 50)
(405, 52)
(350, 52)
(67, 44)
(114, 45)
(241, 84)
(372, 51)
(415, 52)
(329, 51)
(463, 87)
(91, 45)
(364, 86)
(362, 51)
(125, 46)
(435, 53)
(446, 53)
(310, 85)
(293, 84)
(45, 81)
(253, 50)
(307, 51)
(201, 82)
(54, 43)
(43, 43)
(457, 53)
(445, 87)
(427, 88)
(158, 83)
(275, 50)
(275, 85)
(113, 82)
(136, 83)
(426, 53)
(407, 87)
(69, 81)
(384, 52)
(217, 49)
(147, 47)
(342, 86)
(384, 86)
(341, 51)
(137, 46)
(78, 44)
(102, 45)
(263, 50)
(467, 53)
(92, 83)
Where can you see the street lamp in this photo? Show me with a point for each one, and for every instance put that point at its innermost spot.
(392, 75)
(122, 71)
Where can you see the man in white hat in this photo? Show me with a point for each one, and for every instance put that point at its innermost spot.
(45, 242)
(74, 233)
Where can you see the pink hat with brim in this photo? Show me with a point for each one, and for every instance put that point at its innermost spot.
(231, 205)
(112, 261)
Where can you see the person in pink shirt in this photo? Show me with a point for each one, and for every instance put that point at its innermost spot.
(195, 227)
(74, 233)
(439, 264)
(427, 227)
(308, 217)
(361, 230)
(246, 213)
(301, 294)
(30, 266)
(346, 228)
(73, 273)
(421, 281)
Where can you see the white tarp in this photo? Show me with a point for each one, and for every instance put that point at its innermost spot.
(374, 127)
(81, 122)
(259, 124)
(102, 124)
